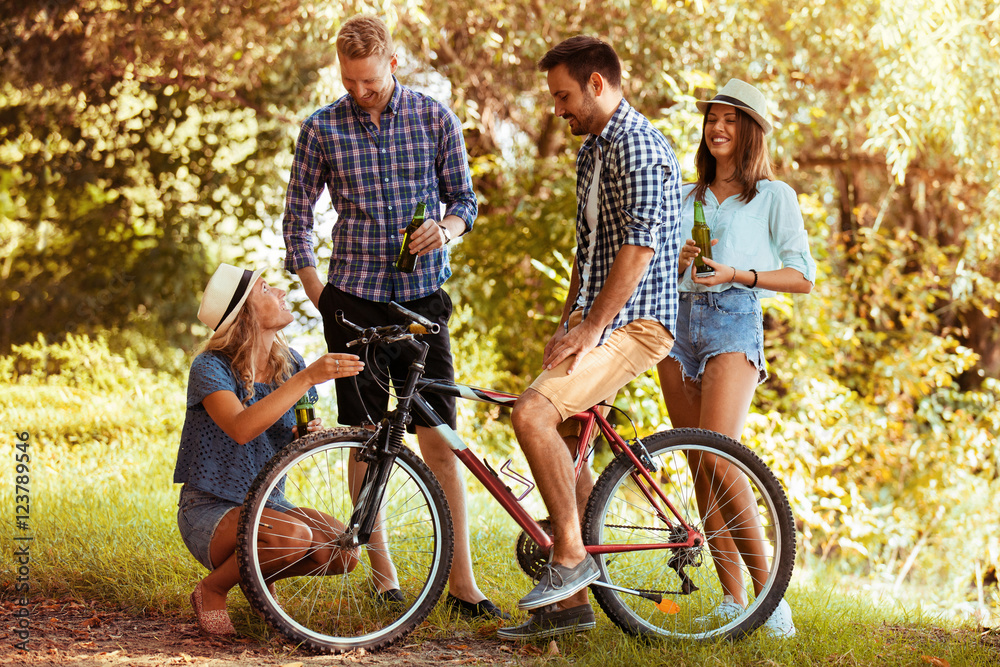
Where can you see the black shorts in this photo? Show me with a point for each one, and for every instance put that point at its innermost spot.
(387, 362)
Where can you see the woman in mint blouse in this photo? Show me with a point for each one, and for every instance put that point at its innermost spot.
(759, 248)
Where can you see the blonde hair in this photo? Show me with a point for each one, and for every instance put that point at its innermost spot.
(240, 343)
(364, 36)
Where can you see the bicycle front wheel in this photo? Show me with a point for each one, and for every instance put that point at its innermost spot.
(323, 597)
(725, 587)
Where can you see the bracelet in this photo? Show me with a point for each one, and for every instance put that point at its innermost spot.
(734, 276)
(754, 284)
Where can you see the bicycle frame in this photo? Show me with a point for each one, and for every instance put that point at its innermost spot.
(411, 399)
(505, 497)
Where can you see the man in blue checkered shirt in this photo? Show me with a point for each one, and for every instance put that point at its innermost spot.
(379, 151)
(618, 319)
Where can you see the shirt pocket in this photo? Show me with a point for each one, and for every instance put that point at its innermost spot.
(748, 240)
(417, 158)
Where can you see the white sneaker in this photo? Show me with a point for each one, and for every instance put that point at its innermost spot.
(780, 625)
(727, 610)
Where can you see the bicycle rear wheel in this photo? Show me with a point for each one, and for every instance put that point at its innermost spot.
(332, 613)
(750, 552)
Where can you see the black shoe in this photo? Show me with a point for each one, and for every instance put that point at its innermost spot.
(482, 609)
(389, 597)
(548, 622)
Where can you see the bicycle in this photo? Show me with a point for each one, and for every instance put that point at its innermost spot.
(642, 522)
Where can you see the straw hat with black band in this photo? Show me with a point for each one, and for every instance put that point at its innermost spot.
(741, 95)
(225, 294)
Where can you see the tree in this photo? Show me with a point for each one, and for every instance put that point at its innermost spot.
(136, 139)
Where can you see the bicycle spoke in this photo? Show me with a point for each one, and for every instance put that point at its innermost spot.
(714, 485)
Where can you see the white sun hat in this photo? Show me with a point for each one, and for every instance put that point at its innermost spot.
(741, 95)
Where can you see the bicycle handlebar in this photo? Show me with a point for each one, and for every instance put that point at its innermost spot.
(418, 325)
(431, 327)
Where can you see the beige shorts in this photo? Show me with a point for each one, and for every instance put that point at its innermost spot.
(629, 352)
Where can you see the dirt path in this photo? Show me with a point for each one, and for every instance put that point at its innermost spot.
(67, 632)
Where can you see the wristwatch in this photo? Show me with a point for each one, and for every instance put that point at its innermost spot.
(447, 234)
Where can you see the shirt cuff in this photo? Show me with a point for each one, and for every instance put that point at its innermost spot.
(462, 211)
(640, 236)
(803, 264)
(298, 260)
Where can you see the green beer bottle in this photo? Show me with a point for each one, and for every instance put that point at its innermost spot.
(703, 237)
(304, 413)
(407, 261)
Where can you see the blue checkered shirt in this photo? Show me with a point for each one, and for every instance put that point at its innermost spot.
(639, 203)
(376, 176)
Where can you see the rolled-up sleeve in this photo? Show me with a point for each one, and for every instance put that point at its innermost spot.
(788, 233)
(308, 177)
(454, 176)
(646, 179)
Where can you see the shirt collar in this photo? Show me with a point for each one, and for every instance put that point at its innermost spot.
(391, 107)
(611, 128)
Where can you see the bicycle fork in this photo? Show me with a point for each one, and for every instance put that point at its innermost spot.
(366, 507)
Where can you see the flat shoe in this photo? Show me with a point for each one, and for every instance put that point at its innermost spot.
(391, 596)
(214, 622)
(482, 609)
(550, 622)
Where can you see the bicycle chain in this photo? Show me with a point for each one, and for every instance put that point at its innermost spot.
(664, 530)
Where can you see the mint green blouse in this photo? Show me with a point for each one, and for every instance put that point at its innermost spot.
(765, 234)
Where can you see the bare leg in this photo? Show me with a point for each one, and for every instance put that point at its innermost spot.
(569, 430)
(720, 404)
(447, 468)
(536, 423)
(286, 542)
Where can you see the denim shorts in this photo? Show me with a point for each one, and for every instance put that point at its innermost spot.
(198, 516)
(710, 323)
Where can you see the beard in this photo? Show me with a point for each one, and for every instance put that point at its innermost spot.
(586, 118)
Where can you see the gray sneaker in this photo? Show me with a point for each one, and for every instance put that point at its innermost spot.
(549, 622)
(557, 582)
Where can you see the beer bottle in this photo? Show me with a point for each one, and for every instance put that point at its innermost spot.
(703, 238)
(407, 261)
(305, 412)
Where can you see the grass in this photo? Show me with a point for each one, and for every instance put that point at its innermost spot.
(104, 521)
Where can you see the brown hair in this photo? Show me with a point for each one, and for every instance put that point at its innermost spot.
(364, 36)
(240, 344)
(753, 161)
(583, 56)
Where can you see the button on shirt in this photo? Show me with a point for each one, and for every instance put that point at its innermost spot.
(765, 234)
(638, 204)
(376, 176)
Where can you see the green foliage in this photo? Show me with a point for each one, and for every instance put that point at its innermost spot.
(103, 434)
(142, 143)
(152, 143)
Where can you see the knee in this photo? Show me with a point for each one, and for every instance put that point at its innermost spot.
(521, 416)
(294, 542)
(533, 413)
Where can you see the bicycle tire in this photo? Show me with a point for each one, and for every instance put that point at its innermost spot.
(618, 513)
(334, 613)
